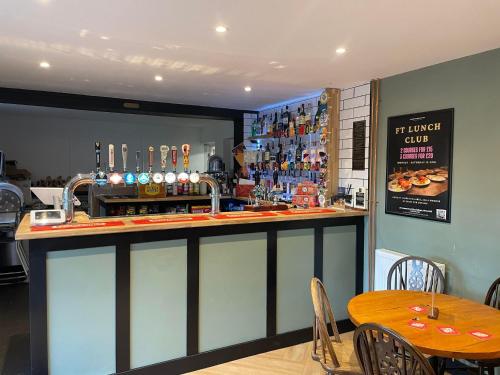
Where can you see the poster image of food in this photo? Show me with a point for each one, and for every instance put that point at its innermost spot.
(419, 165)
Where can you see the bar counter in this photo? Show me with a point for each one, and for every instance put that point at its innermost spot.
(169, 294)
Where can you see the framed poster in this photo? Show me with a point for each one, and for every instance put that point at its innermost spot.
(419, 165)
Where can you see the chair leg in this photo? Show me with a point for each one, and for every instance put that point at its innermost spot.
(441, 368)
(483, 370)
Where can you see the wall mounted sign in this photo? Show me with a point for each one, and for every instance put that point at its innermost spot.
(419, 165)
(358, 145)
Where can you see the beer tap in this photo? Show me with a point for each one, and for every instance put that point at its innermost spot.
(124, 156)
(163, 161)
(129, 177)
(114, 178)
(174, 158)
(137, 162)
(163, 157)
(142, 177)
(183, 176)
(100, 177)
(156, 177)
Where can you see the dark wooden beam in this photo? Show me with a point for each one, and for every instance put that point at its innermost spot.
(119, 105)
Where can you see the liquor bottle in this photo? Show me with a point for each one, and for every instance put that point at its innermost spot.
(254, 128)
(275, 125)
(270, 129)
(298, 153)
(316, 118)
(272, 157)
(285, 119)
(291, 126)
(279, 154)
(280, 125)
(308, 120)
(291, 156)
(302, 120)
(263, 125)
(275, 177)
(267, 154)
(262, 152)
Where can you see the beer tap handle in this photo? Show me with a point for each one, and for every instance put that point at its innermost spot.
(185, 153)
(163, 157)
(174, 158)
(111, 157)
(138, 161)
(98, 156)
(124, 156)
(151, 151)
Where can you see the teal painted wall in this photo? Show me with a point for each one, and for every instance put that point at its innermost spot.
(469, 245)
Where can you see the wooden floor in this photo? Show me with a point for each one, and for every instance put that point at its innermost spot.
(294, 360)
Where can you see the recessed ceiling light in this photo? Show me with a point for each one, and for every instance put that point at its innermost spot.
(45, 65)
(83, 33)
(248, 88)
(280, 67)
(158, 78)
(273, 62)
(221, 29)
(104, 37)
(340, 50)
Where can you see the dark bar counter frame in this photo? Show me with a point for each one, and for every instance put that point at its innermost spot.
(194, 359)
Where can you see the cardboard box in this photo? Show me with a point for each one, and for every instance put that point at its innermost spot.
(305, 200)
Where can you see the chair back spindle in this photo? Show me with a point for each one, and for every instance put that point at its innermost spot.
(415, 273)
(381, 351)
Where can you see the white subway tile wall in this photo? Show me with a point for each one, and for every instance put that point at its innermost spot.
(354, 106)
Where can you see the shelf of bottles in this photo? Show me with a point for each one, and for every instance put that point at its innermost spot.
(290, 148)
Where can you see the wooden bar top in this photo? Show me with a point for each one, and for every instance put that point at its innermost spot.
(85, 226)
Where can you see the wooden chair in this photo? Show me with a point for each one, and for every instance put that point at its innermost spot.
(415, 273)
(336, 357)
(382, 351)
(493, 296)
(492, 299)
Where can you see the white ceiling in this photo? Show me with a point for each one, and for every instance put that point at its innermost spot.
(176, 39)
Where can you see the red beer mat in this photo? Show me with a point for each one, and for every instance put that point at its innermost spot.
(419, 309)
(164, 220)
(308, 211)
(245, 215)
(100, 224)
(480, 334)
(448, 330)
(417, 324)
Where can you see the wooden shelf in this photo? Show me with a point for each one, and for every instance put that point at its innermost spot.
(172, 198)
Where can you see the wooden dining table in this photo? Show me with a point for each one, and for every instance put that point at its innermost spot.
(464, 329)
